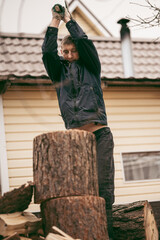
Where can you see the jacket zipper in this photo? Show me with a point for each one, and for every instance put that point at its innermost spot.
(74, 94)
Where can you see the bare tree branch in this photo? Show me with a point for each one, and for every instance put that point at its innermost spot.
(151, 21)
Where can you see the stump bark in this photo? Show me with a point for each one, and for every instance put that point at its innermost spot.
(134, 221)
(64, 164)
(17, 200)
(80, 217)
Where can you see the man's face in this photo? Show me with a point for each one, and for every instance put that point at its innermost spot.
(69, 52)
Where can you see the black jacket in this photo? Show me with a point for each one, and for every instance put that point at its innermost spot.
(78, 84)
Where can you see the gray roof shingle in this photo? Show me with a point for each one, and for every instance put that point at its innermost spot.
(21, 55)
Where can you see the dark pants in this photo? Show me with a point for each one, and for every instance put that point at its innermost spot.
(105, 161)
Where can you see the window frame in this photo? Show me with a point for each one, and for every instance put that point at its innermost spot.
(137, 181)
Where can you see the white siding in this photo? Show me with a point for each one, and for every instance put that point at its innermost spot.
(133, 116)
(28, 112)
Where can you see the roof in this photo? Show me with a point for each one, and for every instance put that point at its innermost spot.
(20, 55)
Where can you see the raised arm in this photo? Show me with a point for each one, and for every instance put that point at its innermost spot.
(50, 57)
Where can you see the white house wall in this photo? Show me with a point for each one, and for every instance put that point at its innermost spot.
(4, 183)
(133, 116)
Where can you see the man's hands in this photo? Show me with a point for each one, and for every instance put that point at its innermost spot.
(60, 13)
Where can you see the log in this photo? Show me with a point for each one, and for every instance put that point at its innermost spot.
(17, 200)
(64, 164)
(134, 221)
(25, 238)
(18, 237)
(60, 236)
(52, 236)
(19, 222)
(80, 217)
(14, 236)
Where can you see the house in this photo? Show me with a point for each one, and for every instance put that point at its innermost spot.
(29, 107)
(82, 14)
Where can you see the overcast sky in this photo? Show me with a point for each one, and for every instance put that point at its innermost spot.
(35, 15)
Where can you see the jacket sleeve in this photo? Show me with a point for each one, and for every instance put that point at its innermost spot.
(86, 49)
(50, 57)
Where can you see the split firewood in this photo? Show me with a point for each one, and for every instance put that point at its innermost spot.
(52, 236)
(134, 221)
(14, 236)
(41, 238)
(25, 238)
(17, 200)
(62, 233)
(62, 236)
(19, 222)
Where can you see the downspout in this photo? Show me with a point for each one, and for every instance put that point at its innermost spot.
(4, 179)
(126, 46)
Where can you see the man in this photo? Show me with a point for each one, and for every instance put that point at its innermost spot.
(76, 76)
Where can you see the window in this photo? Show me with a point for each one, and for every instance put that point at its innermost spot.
(141, 165)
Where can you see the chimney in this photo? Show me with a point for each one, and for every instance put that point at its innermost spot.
(126, 46)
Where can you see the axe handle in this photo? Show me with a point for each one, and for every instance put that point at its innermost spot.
(66, 5)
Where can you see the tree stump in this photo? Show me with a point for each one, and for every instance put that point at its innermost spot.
(80, 217)
(134, 221)
(64, 164)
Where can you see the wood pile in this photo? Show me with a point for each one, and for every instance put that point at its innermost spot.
(133, 221)
(15, 223)
(65, 175)
(20, 222)
(66, 184)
